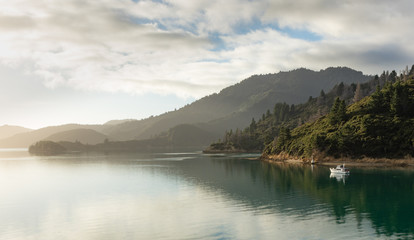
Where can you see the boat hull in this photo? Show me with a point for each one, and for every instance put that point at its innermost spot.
(336, 171)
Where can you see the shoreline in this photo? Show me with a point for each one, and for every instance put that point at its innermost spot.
(363, 162)
(209, 151)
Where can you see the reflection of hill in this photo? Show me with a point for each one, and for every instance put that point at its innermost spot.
(384, 197)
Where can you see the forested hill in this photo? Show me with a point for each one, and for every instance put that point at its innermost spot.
(264, 130)
(234, 106)
(380, 125)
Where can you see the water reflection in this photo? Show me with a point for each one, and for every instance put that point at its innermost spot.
(190, 196)
(384, 197)
(339, 177)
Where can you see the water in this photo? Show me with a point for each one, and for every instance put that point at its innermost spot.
(196, 196)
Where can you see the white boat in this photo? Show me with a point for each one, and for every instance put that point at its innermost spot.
(340, 169)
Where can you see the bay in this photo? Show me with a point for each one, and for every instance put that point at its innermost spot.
(196, 196)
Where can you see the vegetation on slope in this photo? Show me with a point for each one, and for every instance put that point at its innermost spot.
(234, 106)
(274, 130)
(284, 116)
(46, 148)
(381, 125)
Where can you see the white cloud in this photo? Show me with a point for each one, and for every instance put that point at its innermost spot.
(193, 48)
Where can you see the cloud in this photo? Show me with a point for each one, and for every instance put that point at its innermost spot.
(194, 48)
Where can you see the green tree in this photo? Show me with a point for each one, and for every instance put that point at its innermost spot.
(338, 112)
(395, 102)
(341, 114)
(392, 77)
(333, 117)
(283, 138)
(377, 101)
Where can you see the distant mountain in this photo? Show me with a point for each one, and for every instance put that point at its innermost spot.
(233, 107)
(116, 122)
(182, 138)
(82, 135)
(236, 105)
(27, 138)
(8, 131)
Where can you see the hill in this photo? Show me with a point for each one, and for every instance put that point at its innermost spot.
(380, 125)
(184, 137)
(234, 106)
(27, 138)
(116, 122)
(85, 136)
(7, 131)
(262, 131)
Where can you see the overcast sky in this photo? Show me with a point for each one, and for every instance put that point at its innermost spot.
(87, 61)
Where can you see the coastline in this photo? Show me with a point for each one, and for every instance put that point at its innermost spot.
(211, 151)
(353, 162)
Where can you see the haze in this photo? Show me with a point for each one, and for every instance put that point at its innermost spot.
(93, 61)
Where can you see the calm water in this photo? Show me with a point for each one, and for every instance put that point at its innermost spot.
(195, 196)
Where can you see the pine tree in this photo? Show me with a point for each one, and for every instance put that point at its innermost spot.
(377, 103)
(395, 102)
(338, 112)
(321, 99)
(392, 77)
(341, 114)
(333, 114)
(284, 136)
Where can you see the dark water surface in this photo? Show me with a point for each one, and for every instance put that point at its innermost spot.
(196, 196)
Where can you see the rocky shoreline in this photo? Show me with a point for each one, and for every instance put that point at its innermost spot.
(330, 161)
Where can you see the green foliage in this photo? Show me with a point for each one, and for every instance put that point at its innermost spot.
(46, 148)
(338, 112)
(378, 125)
(283, 118)
(284, 137)
(381, 125)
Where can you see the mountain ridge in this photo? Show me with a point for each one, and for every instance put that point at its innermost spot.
(7, 131)
(248, 98)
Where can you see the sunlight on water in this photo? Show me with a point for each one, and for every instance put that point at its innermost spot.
(159, 196)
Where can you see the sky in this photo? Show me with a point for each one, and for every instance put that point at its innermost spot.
(87, 61)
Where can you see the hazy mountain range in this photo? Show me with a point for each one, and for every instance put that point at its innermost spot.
(9, 131)
(233, 107)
